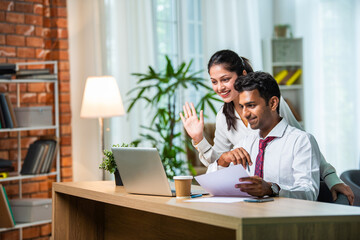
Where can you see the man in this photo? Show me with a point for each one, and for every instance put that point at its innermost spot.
(287, 159)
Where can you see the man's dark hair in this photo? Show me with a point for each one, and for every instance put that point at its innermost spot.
(262, 81)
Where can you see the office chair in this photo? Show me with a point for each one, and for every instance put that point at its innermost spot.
(352, 178)
(326, 196)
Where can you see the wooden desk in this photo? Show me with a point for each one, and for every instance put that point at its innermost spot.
(99, 210)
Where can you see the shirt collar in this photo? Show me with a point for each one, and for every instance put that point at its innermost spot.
(278, 130)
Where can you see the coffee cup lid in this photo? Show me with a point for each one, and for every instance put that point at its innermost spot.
(183, 177)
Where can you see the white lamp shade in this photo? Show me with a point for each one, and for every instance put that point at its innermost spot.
(101, 98)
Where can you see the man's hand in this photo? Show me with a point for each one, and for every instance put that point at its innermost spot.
(257, 186)
(193, 125)
(344, 189)
(236, 156)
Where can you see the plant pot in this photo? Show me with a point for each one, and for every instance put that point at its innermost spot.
(281, 31)
(118, 180)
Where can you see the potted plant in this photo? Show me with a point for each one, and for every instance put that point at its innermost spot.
(281, 30)
(109, 164)
(160, 90)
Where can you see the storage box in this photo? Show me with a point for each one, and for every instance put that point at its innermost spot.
(34, 116)
(31, 209)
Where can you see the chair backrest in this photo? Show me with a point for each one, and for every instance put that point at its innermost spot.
(326, 196)
(352, 179)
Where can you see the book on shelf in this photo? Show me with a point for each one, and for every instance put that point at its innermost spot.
(281, 75)
(288, 77)
(30, 72)
(2, 119)
(40, 156)
(7, 68)
(294, 77)
(6, 166)
(11, 110)
(6, 111)
(7, 217)
(38, 77)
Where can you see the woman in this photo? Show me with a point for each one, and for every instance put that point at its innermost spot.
(224, 67)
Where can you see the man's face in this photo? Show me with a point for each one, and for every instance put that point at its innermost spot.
(255, 110)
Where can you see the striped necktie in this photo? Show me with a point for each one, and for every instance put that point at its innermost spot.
(260, 157)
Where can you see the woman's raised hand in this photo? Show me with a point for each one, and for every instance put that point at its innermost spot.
(193, 126)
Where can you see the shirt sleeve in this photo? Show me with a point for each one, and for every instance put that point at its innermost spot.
(327, 171)
(305, 167)
(209, 154)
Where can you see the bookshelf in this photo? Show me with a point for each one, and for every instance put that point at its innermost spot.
(17, 176)
(285, 55)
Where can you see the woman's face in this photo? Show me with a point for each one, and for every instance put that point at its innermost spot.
(223, 83)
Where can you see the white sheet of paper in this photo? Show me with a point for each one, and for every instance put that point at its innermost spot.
(217, 199)
(222, 182)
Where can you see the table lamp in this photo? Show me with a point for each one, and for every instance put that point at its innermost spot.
(101, 100)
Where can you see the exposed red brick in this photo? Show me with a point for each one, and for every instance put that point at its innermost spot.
(14, 17)
(45, 229)
(36, 87)
(26, 52)
(65, 119)
(45, 98)
(28, 98)
(66, 172)
(12, 189)
(34, 1)
(2, 39)
(66, 179)
(65, 150)
(49, 87)
(59, 12)
(26, 141)
(48, 43)
(59, 22)
(47, 22)
(7, 5)
(2, 16)
(34, 42)
(46, 12)
(64, 87)
(2, 60)
(64, 76)
(23, 7)
(34, 20)
(14, 234)
(44, 186)
(66, 162)
(65, 130)
(40, 195)
(31, 232)
(7, 51)
(15, 40)
(8, 144)
(64, 108)
(39, 31)
(43, 132)
(38, 9)
(26, 30)
(59, 3)
(4, 154)
(7, 28)
(64, 65)
(43, 54)
(64, 97)
(31, 187)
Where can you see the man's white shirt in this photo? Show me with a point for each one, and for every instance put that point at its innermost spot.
(291, 160)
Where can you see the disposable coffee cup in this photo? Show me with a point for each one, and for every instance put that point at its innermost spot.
(183, 186)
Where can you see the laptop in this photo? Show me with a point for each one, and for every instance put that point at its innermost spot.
(142, 172)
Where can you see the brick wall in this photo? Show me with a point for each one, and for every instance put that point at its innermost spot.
(36, 30)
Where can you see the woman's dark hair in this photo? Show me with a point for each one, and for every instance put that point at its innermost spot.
(233, 63)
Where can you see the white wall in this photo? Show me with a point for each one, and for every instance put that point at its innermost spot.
(84, 61)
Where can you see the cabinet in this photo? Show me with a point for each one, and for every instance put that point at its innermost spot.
(287, 54)
(55, 126)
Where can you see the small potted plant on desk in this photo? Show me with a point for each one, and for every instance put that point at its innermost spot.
(109, 163)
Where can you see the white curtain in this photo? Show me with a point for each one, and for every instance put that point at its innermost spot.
(330, 29)
(129, 48)
(232, 24)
